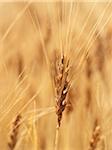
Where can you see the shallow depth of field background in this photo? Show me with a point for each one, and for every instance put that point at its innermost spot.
(30, 37)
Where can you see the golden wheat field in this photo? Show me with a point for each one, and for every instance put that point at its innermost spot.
(56, 75)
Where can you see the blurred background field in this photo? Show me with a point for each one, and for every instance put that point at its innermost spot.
(31, 35)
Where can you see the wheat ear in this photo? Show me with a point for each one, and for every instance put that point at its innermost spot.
(61, 90)
(14, 133)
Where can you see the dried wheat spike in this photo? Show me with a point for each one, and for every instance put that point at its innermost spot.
(14, 133)
(96, 136)
(62, 86)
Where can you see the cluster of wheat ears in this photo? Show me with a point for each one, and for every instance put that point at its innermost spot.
(55, 75)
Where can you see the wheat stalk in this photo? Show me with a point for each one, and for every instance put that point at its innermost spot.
(61, 89)
(62, 86)
(96, 137)
(14, 133)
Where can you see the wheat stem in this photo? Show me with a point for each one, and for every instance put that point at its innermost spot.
(56, 138)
